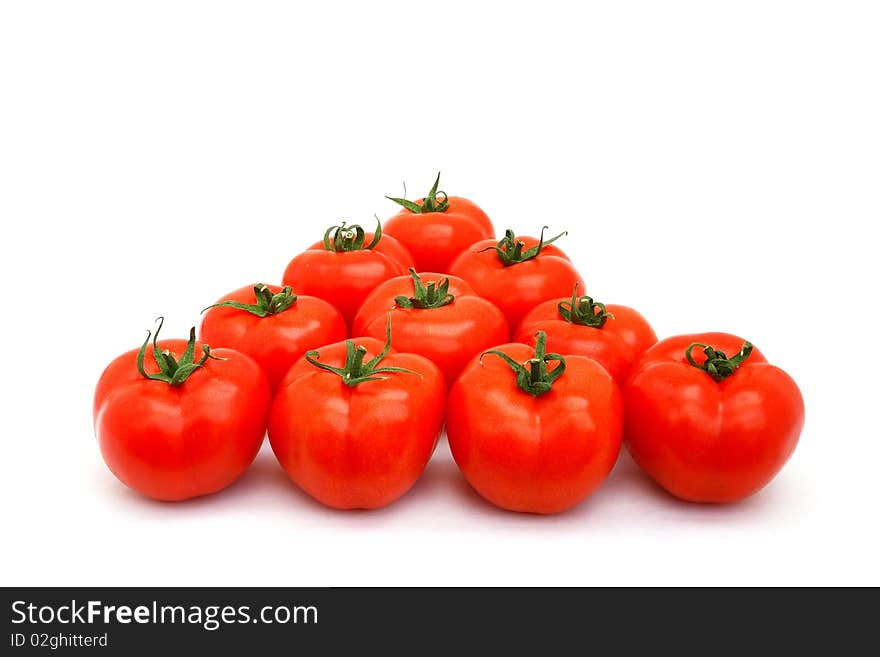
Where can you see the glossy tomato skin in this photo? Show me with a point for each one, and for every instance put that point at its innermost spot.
(708, 441)
(174, 443)
(345, 278)
(435, 239)
(359, 447)
(448, 336)
(276, 341)
(543, 454)
(518, 288)
(616, 346)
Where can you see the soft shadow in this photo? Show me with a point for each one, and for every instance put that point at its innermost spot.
(628, 481)
(442, 477)
(628, 496)
(263, 479)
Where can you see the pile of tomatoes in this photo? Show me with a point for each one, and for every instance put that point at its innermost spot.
(375, 340)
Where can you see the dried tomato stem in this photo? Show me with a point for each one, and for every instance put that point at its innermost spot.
(717, 364)
(173, 371)
(584, 311)
(510, 249)
(343, 238)
(533, 376)
(356, 371)
(431, 202)
(434, 295)
(266, 302)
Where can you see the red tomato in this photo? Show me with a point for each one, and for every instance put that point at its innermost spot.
(178, 420)
(517, 273)
(436, 230)
(614, 336)
(716, 429)
(441, 319)
(539, 441)
(346, 266)
(271, 325)
(355, 434)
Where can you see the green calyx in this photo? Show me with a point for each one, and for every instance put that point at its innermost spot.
(512, 251)
(583, 311)
(267, 303)
(171, 371)
(431, 202)
(717, 364)
(533, 376)
(433, 295)
(356, 371)
(350, 238)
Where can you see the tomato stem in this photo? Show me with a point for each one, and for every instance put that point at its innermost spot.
(343, 238)
(717, 364)
(584, 311)
(510, 249)
(357, 360)
(533, 377)
(434, 295)
(429, 204)
(356, 371)
(171, 371)
(266, 302)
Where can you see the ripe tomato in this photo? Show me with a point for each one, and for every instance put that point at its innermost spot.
(272, 325)
(180, 420)
(517, 273)
(539, 441)
(708, 427)
(441, 319)
(614, 336)
(355, 434)
(345, 267)
(436, 230)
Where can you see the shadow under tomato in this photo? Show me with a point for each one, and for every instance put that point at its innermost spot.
(444, 478)
(628, 480)
(627, 497)
(263, 477)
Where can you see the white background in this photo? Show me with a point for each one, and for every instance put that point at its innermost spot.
(716, 166)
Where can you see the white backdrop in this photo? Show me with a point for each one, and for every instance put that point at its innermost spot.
(716, 167)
